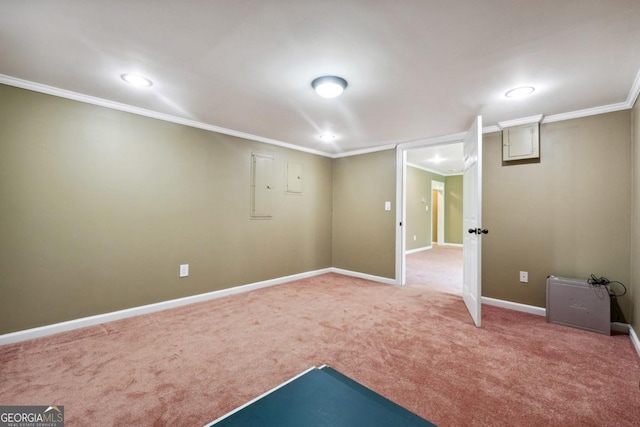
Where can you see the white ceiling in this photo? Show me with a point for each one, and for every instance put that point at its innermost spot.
(416, 68)
(443, 159)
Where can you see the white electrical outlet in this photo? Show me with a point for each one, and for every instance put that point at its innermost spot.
(524, 277)
(184, 270)
(414, 237)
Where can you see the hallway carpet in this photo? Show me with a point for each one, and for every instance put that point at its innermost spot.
(190, 365)
(439, 269)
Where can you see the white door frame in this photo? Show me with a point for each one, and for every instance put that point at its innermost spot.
(401, 195)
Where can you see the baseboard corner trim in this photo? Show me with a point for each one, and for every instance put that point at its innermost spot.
(413, 251)
(622, 328)
(83, 322)
(531, 309)
(366, 276)
(634, 339)
(453, 245)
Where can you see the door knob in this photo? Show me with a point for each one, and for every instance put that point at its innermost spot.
(478, 231)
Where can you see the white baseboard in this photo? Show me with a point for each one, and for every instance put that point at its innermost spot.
(634, 339)
(384, 280)
(515, 306)
(455, 245)
(622, 328)
(413, 251)
(70, 325)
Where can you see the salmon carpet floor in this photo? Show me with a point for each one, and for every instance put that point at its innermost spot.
(188, 366)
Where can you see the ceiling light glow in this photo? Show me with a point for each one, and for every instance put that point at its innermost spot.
(327, 137)
(136, 80)
(519, 92)
(329, 86)
(437, 159)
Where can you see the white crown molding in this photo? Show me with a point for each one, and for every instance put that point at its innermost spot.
(522, 121)
(491, 129)
(634, 91)
(413, 165)
(443, 139)
(363, 151)
(63, 93)
(586, 112)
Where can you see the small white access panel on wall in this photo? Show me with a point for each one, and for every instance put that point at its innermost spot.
(521, 139)
(294, 178)
(261, 186)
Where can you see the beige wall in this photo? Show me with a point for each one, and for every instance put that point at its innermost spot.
(568, 215)
(635, 226)
(99, 207)
(453, 209)
(418, 218)
(363, 232)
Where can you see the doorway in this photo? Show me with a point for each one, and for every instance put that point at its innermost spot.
(437, 263)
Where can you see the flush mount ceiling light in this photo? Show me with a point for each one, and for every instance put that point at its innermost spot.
(519, 92)
(327, 137)
(136, 80)
(329, 86)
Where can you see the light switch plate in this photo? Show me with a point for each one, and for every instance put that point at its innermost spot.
(387, 206)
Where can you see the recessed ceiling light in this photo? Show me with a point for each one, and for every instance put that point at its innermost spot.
(327, 137)
(520, 92)
(136, 80)
(329, 86)
(437, 159)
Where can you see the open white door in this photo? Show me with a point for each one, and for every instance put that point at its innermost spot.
(472, 214)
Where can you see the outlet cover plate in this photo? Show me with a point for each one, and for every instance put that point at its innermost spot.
(524, 277)
(184, 270)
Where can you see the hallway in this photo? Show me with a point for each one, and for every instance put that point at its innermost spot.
(439, 269)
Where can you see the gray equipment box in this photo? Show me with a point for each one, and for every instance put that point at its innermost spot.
(576, 303)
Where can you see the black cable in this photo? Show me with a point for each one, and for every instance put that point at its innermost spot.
(603, 281)
(619, 315)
